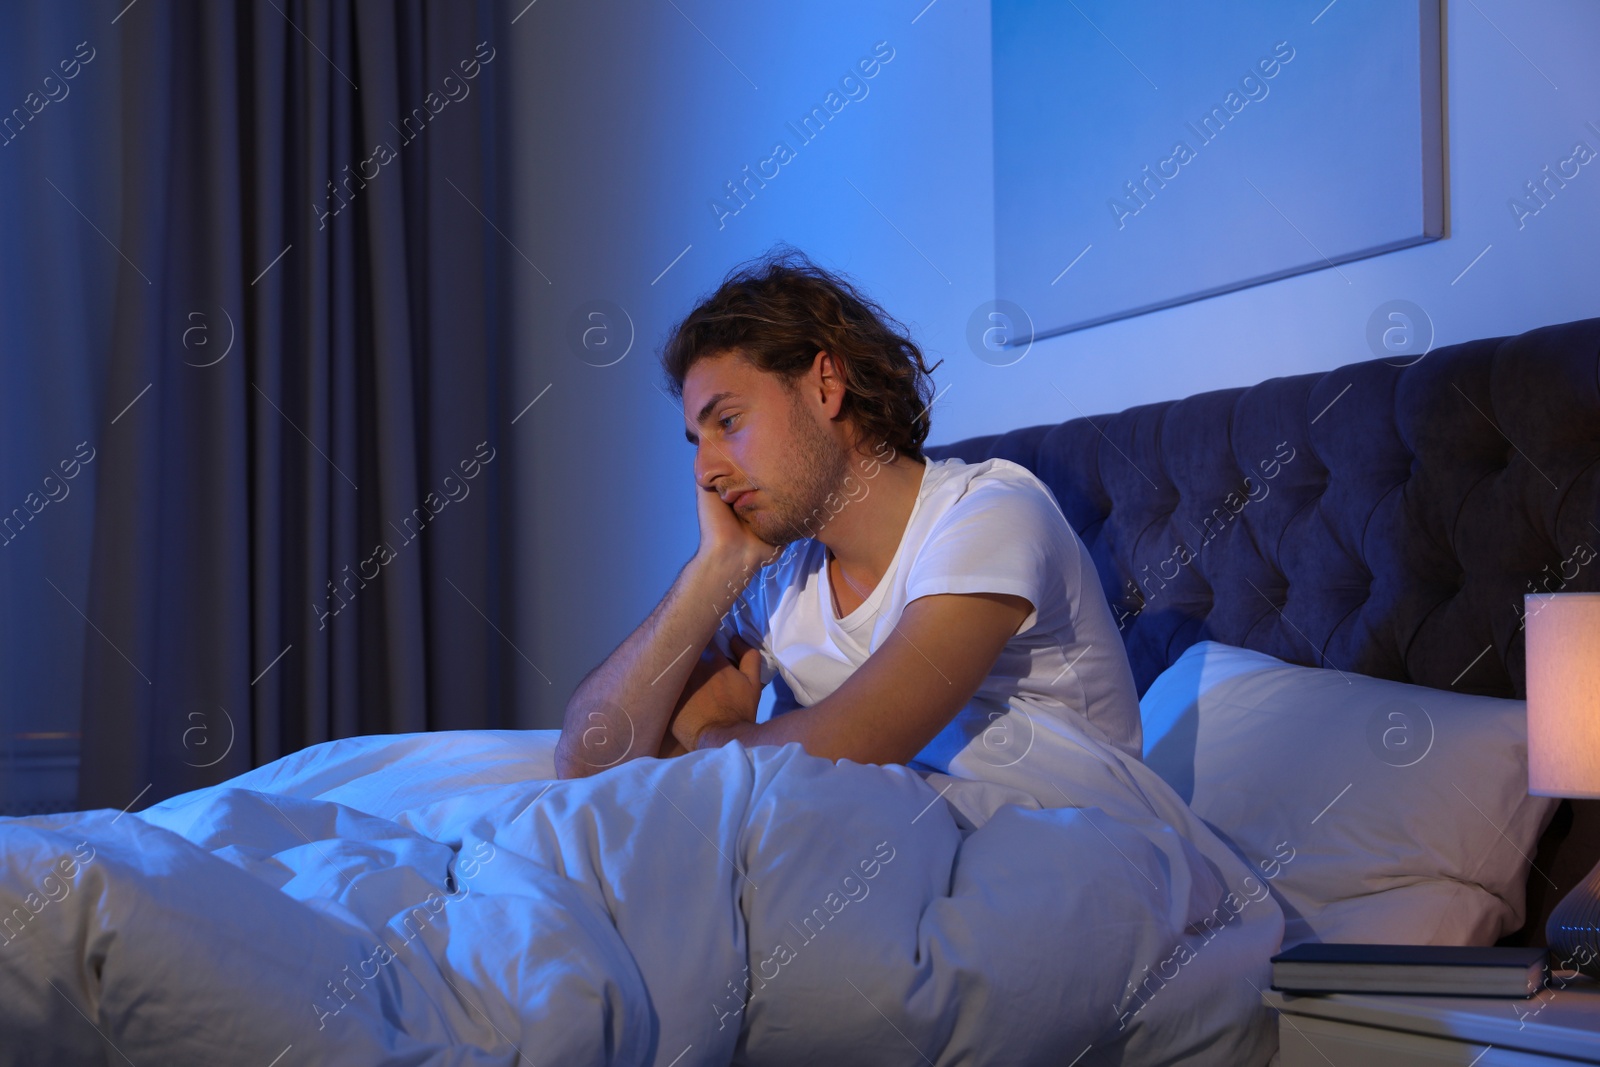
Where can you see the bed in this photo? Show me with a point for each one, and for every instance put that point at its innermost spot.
(1318, 581)
(1382, 520)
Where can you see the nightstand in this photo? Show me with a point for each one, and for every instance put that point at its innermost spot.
(1559, 1025)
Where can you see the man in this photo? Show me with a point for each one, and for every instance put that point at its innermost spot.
(916, 607)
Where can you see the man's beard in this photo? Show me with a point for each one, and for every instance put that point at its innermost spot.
(816, 470)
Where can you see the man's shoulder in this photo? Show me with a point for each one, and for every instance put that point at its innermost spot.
(1004, 490)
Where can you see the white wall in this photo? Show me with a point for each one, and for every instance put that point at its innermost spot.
(627, 120)
(1505, 121)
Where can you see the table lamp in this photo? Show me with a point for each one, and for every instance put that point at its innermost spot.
(1563, 656)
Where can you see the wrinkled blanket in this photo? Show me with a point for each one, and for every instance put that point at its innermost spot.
(440, 899)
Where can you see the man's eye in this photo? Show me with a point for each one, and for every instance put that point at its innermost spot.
(725, 420)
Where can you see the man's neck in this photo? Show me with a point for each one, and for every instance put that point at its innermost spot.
(864, 536)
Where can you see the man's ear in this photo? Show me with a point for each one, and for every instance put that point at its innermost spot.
(829, 385)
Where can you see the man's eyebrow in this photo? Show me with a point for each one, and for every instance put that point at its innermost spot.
(705, 411)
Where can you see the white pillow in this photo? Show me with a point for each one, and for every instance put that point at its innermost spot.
(1381, 812)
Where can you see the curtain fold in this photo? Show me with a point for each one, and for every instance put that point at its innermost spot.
(298, 533)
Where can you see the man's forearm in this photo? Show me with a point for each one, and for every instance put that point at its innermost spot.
(621, 709)
(797, 725)
(895, 703)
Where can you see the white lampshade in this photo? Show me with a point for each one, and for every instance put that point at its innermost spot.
(1563, 645)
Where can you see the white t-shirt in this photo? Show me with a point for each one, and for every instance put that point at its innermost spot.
(989, 527)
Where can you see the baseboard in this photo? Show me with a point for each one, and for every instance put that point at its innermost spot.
(38, 773)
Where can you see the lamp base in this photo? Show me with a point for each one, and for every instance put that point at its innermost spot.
(1573, 930)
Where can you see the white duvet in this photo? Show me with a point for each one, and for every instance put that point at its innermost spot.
(440, 899)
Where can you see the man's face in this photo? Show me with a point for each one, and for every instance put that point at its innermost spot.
(761, 447)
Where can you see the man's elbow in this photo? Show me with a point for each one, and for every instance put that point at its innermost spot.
(569, 765)
(584, 750)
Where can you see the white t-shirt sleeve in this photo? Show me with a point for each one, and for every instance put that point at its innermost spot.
(748, 619)
(1001, 537)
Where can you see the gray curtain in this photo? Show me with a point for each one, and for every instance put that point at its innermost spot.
(301, 484)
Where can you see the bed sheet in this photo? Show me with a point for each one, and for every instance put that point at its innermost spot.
(441, 899)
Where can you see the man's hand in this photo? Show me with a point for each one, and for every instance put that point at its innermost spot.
(718, 693)
(726, 537)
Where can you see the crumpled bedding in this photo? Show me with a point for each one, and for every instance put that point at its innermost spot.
(440, 899)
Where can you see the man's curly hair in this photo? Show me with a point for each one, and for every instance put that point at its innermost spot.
(780, 310)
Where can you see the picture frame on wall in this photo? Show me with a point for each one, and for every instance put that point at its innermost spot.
(1155, 154)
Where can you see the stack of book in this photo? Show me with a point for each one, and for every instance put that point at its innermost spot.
(1442, 970)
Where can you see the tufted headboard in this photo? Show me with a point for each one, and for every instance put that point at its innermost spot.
(1384, 518)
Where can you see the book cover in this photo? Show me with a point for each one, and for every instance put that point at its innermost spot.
(1438, 970)
(1520, 958)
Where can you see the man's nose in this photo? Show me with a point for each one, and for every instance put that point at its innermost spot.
(710, 466)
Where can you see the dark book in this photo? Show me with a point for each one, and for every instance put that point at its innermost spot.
(1440, 970)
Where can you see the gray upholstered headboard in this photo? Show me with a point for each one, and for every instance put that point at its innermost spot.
(1385, 517)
